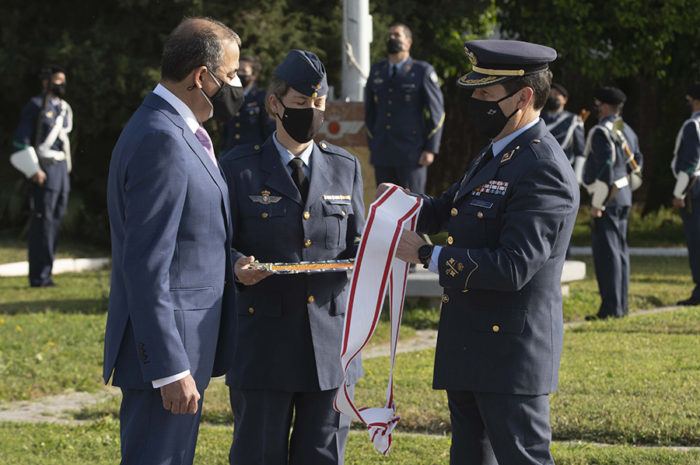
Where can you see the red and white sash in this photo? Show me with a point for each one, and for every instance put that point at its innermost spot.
(375, 268)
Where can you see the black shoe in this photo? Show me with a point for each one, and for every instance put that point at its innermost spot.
(690, 301)
(48, 283)
(592, 317)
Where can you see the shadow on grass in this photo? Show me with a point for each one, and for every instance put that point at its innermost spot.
(90, 306)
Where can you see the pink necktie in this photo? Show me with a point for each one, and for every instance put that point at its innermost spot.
(203, 137)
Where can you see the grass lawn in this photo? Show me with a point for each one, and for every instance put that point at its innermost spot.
(98, 444)
(631, 381)
(14, 249)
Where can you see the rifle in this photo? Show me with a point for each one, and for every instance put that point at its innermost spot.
(636, 174)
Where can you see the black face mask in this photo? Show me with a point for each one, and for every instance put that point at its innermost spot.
(59, 89)
(226, 102)
(245, 79)
(393, 46)
(553, 104)
(488, 117)
(302, 124)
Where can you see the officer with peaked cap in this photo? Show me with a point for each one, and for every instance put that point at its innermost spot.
(509, 220)
(292, 200)
(686, 192)
(606, 177)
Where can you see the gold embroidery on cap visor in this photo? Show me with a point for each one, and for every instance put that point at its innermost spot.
(482, 81)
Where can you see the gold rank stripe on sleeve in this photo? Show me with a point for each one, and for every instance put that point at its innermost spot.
(476, 266)
(437, 128)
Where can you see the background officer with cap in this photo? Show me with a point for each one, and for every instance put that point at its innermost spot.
(566, 127)
(292, 200)
(686, 192)
(509, 220)
(605, 175)
(251, 124)
(45, 123)
(399, 92)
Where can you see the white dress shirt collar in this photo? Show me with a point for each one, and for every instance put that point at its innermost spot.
(179, 106)
(502, 143)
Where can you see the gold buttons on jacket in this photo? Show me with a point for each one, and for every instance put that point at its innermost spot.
(391, 89)
(307, 215)
(496, 328)
(450, 240)
(454, 212)
(389, 102)
(251, 310)
(256, 147)
(445, 298)
(388, 126)
(238, 125)
(264, 215)
(342, 213)
(480, 214)
(307, 243)
(310, 299)
(323, 145)
(388, 115)
(237, 136)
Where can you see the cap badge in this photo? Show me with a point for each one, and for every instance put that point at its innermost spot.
(470, 55)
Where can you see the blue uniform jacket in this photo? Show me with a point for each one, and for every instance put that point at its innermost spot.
(57, 173)
(169, 220)
(606, 159)
(567, 129)
(687, 154)
(397, 129)
(251, 125)
(289, 327)
(509, 225)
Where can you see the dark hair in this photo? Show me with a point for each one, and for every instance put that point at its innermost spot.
(279, 88)
(406, 29)
(253, 60)
(47, 71)
(195, 42)
(540, 83)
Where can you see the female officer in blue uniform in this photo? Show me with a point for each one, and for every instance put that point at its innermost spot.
(292, 200)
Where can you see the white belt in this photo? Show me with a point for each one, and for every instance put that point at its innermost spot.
(376, 267)
(622, 182)
(51, 156)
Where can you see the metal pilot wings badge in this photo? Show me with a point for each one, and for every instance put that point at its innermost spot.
(265, 198)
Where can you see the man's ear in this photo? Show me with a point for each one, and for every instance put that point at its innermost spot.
(525, 97)
(197, 76)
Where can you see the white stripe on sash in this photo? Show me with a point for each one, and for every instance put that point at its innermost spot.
(376, 267)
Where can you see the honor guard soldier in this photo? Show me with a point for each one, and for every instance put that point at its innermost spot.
(686, 193)
(509, 220)
(45, 157)
(566, 127)
(399, 93)
(611, 148)
(251, 124)
(292, 200)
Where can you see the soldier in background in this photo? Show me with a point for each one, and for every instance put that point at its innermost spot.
(45, 122)
(399, 92)
(605, 175)
(251, 125)
(566, 127)
(686, 193)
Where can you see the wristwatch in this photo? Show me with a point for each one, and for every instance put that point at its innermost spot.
(425, 252)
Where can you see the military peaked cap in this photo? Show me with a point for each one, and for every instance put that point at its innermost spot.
(496, 61)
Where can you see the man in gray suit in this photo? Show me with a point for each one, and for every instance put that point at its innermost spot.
(170, 225)
(292, 200)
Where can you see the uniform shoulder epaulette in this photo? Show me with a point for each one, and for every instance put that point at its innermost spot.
(540, 149)
(242, 151)
(327, 147)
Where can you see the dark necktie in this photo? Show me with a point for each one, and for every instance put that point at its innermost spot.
(299, 178)
(488, 156)
(393, 71)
